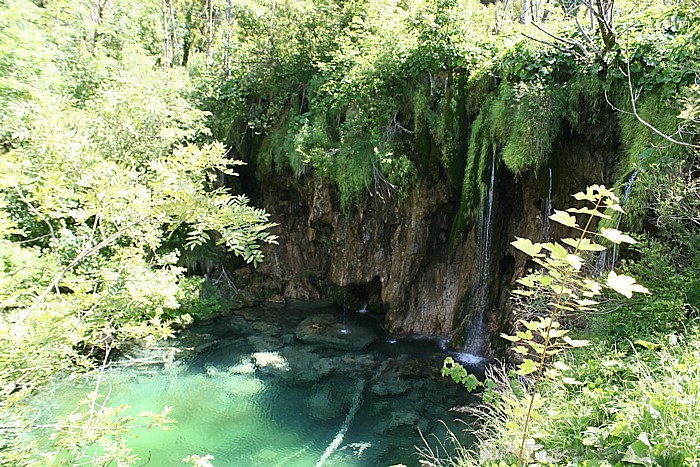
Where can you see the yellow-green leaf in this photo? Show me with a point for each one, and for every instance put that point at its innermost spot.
(574, 261)
(583, 244)
(557, 251)
(564, 218)
(531, 325)
(527, 247)
(510, 338)
(538, 348)
(589, 211)
(556, 333)
(521, 349)
(526, 367)
(529, 280)
(586, 303)
(647, 344)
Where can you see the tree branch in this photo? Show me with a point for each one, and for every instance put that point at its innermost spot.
(633, 100)
(81, 256)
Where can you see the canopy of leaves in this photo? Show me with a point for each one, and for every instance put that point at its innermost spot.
(104, 156)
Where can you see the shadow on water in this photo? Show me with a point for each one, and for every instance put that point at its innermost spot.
(301, 385)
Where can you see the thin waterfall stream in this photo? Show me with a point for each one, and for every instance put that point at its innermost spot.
(547, 210)
(306, 384)
(474, 342)
(623, 203)
(604, 264)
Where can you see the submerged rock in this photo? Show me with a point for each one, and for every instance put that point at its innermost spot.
(327, 404)
(264, 343)
(408, 419)
(270, 360)
(327, 331)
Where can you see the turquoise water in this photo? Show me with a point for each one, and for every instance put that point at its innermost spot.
(301, 385)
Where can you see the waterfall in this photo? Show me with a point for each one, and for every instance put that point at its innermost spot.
(623, 202)
(474, 336)
(548, 209)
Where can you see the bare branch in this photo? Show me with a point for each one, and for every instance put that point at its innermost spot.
(572, 43)
(634, 96)
(590, 41)
(551, 44)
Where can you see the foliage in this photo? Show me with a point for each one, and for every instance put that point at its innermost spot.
(562, 289)
(105, 159)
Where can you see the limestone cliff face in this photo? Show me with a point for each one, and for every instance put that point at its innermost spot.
(393, 254)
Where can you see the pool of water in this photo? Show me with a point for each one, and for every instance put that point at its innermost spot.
(299, 385)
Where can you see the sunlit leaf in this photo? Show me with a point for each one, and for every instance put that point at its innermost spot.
(559, 365)
(570, 381)
(586, 303)
(564, 218)
(583, 244)
(527, 247)
(589, 211)
(531, 325)
(557, 251)
(616, 236)
(526, 367)
(576, 343)
(510, 338)
(625, 285)
(647, 344)
(556, 333)
(524, 293)
(524, 335)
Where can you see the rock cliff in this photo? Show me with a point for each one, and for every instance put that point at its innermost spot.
(394, 255)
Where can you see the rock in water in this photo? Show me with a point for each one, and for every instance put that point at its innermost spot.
(326, 330)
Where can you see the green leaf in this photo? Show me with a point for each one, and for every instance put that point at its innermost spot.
(585, 303)
(524, 335)
(616, 236)
(529, 280)
(595, 193)
(574, 261)
(648, 345)
(624, 285)
(531, 325)
(557, 251)
(524, 293)
(521, 349)
(563, 218)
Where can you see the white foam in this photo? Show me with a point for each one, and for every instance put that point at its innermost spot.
(465, 357)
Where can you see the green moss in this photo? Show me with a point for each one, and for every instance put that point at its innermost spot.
(536, 115)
